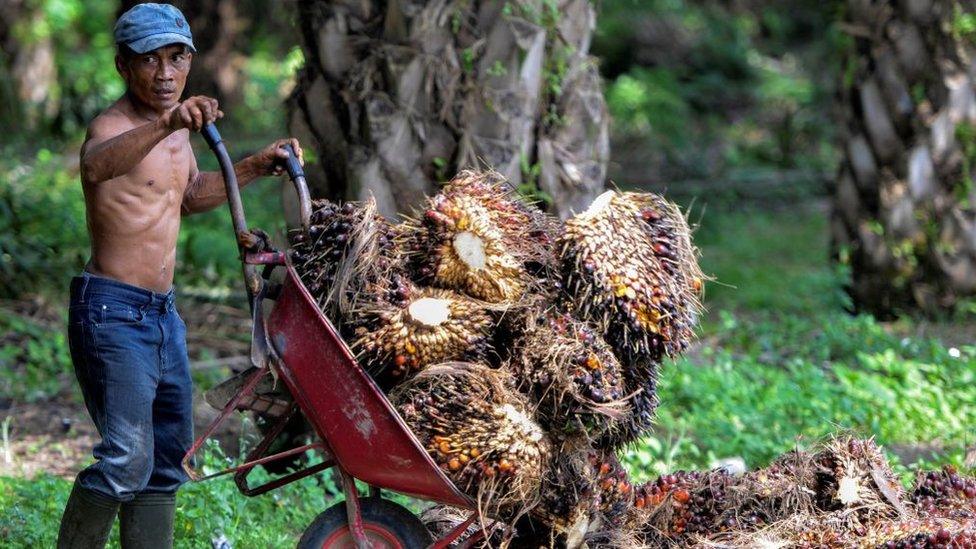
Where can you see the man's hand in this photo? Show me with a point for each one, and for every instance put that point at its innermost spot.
(268, 160)
(193, 113)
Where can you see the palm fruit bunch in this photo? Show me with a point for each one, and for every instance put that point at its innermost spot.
(477, 237)
(572, 374)
(628, 264)
(682, 504)
(398, 334)
(945, 492)
(348, 252)
(347, 258)
(478, 429)
(854, 475)
(567, 504)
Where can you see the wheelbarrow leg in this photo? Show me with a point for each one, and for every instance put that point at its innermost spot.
(352, 509)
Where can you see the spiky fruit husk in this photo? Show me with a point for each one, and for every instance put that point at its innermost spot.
(640, 384)
(615, 491)
(784, 488)
(568, 500)
(854, 475)
(832, 531)
(628, 264)
(572, 374)
(477, 428)
(477, 237)
(410, 328)
(347, 255)
(945, 493)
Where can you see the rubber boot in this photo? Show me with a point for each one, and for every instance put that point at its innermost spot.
(87, 519)
(146, 522)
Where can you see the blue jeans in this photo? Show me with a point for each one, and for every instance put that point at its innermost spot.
(128, 346)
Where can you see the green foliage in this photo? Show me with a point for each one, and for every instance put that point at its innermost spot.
(963, 23)
(747, 83)
(650, 101)
(42, 222)
(30, 510)
(80, 34)
(529, 188)
(34, 359)
(779, 379)
(268, 79)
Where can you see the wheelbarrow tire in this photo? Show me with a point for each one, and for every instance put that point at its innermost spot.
(383, 520)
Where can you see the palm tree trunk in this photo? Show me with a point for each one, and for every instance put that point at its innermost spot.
(398, 95)
(28, 73)
(904, 218)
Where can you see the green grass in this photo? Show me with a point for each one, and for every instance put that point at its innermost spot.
(30, 511)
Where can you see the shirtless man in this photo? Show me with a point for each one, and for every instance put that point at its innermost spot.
(128, 343)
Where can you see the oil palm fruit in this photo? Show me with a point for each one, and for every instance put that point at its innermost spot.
(784, 488)
(477, 237)
(615, 492)
(478, 429)
(924, 533)
(628, 264)
(568, 500)
(945, 492)
(585, 494)
(683, 503)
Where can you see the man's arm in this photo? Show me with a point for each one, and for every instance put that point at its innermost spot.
(108, 154)
(113, 147)
(206, 189)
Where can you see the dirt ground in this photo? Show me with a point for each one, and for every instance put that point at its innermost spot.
(56, 436)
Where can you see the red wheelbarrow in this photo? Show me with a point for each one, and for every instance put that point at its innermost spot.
(360, 434)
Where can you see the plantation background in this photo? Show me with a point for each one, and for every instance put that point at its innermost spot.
(724, 106)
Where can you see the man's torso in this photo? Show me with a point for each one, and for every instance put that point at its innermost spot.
(134, 219)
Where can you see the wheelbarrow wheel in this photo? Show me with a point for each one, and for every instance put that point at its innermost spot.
(386, 524)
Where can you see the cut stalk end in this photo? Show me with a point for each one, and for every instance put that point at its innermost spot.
(430, 311)
(471, 250)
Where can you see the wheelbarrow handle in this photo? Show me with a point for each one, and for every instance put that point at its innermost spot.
(252, 282)
(297, 175)
(216, 144)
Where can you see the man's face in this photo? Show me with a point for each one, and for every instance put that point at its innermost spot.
(157, 77)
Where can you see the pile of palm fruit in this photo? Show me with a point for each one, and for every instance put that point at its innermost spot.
(522, 351)
(843, 495)
(524, 355)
